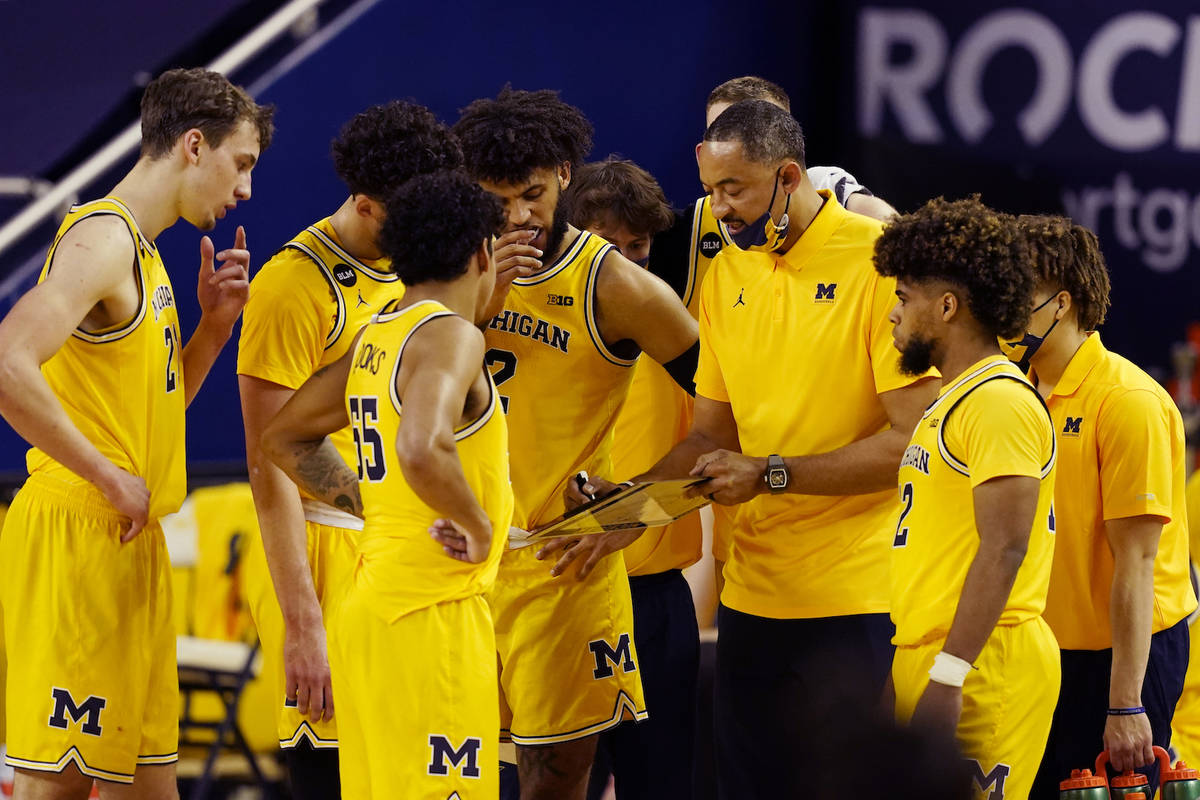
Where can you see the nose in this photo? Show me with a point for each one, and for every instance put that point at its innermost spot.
(242, 192)
(518, 214)
(720, 205)
(894, 314)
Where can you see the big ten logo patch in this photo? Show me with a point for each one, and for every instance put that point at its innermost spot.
(559, 300)
(85, 714)
(607, 657)
(444, 756)
(710, 244)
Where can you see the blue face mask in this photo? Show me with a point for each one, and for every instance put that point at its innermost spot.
(763, 235)
(642, 262)
(1021, 352)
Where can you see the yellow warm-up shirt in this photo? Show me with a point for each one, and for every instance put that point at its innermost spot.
(560, 385)
(800, 346)
(399, 565)
(306, 305)
(123, 387)
(987, 423)
(1121, 454)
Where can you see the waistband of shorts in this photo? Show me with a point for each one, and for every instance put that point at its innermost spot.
(656, 578)
(325, 514)
(82, 498)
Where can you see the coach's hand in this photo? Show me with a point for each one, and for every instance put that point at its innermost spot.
(938, 709)
(224, 290)
(575, 495)
(734, 478)
(306, 670)
(1129, 741)
(129, 495)
(591, 549)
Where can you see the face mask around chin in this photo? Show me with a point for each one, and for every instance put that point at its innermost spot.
(764, 235)
(1021, 352)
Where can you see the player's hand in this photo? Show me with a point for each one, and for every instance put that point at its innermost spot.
(1129, 741)
(514, 258)
(306, 671)
(576, 495)
(130, 496)
(734, 478)
(938, 709)
(461, 543)
(588, 550)
(223, 290)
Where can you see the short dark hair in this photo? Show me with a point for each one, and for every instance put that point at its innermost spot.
(435, 222)
(749, 87)
(767, 133)
(386, 145)
(181, 99)
(968, 245)
(504, 140)
(1068, 255)
(619, 190)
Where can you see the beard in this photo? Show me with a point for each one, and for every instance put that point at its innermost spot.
(916, 357)
(558, 230)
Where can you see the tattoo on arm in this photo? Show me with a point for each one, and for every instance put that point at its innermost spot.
(320, 470)
(538, 762)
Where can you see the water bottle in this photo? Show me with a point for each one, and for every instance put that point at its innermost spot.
(1083, 785)
(1130, 784)
(1181, 783)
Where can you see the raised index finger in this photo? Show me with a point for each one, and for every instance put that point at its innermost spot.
(239, 238)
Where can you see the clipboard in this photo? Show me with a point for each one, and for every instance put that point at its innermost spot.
(643, 505)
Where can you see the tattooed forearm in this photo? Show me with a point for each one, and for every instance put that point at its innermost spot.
(318, 469)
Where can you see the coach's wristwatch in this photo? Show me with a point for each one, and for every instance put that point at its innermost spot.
(777, 476)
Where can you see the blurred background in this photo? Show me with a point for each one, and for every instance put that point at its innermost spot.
(1088, 109)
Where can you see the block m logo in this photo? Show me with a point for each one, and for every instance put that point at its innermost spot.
(1072, 426)
(994, 780)
(88, 711)
(608, 657)
(443, 751)
(825, 292)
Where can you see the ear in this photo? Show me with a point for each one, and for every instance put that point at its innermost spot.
(364, 206)
(1064, 304)
(790, 177)
(949, 306)
(191, 142)
(564, 175)
(483, 256)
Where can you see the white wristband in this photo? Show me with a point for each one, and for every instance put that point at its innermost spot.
(949, 670)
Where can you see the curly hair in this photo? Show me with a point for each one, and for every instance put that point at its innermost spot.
(749, 87)
(768, 134)
(1068, 256)
(435, 222)
(619, 190)
(181, 99)
(968, 245)
(506, 139)
(385, 145)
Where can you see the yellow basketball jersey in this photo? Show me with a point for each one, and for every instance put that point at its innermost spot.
(123, 386)
(398, 563)
(561, 387)
(306, 306)
(989, 423)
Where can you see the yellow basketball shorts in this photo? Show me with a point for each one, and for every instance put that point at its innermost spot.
(417, 704)
(568, 665)
(1008, 704)
(331, 556)
(96, 682)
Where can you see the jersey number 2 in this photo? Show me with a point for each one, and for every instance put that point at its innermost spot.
(508, 368)
(172, 340)
(906, 497)
(364, 413)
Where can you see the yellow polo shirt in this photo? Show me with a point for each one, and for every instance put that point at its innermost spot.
(1121, 454)
(800, 346)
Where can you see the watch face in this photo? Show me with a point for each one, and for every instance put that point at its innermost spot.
(777, 478)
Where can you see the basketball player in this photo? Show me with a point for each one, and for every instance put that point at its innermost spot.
(561, 349)
(96, 377)
(306, 306)
(974, 539)
(794, 359)
(1120, 589)
(413, 647)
